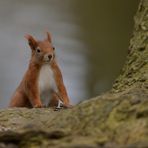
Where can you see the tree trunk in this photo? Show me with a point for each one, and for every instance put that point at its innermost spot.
(135, 71)
(118, 118)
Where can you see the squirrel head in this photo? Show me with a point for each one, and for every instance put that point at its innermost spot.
(42, 51)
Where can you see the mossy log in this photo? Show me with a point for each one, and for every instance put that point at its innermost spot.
(118, 118)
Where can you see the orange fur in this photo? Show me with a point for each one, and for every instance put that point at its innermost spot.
(28, 94)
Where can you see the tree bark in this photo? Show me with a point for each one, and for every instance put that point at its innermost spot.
(135, 71)
(118, 118)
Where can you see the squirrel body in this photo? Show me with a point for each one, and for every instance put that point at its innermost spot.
(42, 84)
(46, 83)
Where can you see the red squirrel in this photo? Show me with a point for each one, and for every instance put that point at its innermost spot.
(42, 84)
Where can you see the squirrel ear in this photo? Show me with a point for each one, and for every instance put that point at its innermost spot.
(49, 37)
(31, 41)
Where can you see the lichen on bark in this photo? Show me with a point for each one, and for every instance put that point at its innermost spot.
(118, 118)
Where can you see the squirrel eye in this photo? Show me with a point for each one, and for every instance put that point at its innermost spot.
(53, 48)
(38, 50)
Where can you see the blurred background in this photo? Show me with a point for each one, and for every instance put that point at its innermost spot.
(91, 39)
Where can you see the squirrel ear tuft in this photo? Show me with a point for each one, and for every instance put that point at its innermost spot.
(49, 37)
(31, 41)
(27, 36)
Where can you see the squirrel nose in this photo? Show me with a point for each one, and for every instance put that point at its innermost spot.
(49, 56)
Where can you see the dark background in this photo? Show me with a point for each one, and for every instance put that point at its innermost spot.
(91, 39)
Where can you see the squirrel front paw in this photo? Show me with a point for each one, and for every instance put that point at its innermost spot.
(38, 105)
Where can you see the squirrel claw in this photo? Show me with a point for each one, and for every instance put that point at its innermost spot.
(38, 106)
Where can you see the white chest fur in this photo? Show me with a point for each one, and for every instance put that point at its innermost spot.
(46, 83)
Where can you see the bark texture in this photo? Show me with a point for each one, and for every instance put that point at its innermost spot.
(135, 71)
(118, 118)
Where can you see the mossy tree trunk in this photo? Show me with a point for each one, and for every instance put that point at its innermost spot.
(135, 71)
(117, 118)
